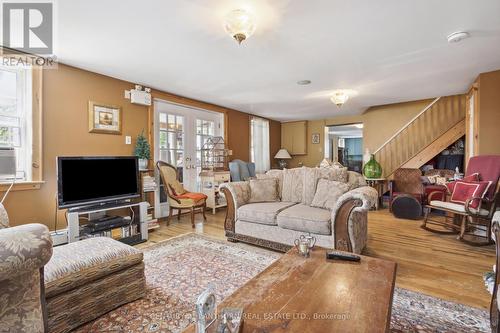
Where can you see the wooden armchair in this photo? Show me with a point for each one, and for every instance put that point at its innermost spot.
(467, 219)
(178, 197)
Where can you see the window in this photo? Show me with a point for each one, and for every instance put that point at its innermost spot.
(259, 144)
(172, 140)
(16, 130)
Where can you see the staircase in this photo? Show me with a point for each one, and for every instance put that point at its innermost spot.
(439, 125)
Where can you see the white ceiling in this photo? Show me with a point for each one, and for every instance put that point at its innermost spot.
(387, 50)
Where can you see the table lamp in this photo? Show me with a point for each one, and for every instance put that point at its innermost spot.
(282, 155)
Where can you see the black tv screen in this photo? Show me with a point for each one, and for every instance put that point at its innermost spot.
(90, 180)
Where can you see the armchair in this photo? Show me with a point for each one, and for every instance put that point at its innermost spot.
(178, 197)
(466, 217)
(24, 250)
(241, 171)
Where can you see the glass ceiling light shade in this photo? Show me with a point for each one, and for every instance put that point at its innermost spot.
(339, 98)
(240, 24)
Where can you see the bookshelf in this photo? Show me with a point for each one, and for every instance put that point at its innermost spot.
(210, 182)
(148, 194)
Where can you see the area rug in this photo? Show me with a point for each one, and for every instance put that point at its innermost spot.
(179, 269)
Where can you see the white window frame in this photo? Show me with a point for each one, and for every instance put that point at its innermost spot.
(24, 91)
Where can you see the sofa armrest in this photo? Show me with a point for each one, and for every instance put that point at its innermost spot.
(349, 218)
(237, 194)
(24, 249)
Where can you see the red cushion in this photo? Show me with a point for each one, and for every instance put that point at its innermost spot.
(466, 190)
(470, 178)
(488, 166)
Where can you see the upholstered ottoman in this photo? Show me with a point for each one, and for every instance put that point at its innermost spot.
(86, 279)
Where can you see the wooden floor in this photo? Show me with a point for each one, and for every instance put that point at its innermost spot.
(430, 263)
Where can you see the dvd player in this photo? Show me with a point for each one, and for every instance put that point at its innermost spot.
(106, 223)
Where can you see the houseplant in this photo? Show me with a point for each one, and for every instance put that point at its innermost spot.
(142, 151)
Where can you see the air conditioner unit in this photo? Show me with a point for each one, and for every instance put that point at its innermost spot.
(140, 97)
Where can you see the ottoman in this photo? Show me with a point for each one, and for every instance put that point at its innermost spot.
(406, 206)
(86, 279)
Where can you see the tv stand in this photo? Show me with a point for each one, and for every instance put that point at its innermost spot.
(93, 212)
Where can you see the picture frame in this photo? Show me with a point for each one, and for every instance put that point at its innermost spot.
(315, 138)
(105, 118)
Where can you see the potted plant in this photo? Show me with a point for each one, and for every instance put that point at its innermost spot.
(142, 151)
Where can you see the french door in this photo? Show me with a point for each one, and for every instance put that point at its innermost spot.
(180, 133)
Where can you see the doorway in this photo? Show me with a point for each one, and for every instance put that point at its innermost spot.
(179, 135)
(344, 144)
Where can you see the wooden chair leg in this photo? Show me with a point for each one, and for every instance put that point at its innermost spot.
(426, 216)
(170, 213)
(179, 214)
(192, 217)
(463, 227)
(204, 208)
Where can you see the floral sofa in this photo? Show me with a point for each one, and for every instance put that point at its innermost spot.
(254, 217)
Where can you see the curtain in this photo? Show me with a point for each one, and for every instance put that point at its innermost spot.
(259, 144)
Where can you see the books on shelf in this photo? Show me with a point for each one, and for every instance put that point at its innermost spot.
(153, 224)
(148, 183)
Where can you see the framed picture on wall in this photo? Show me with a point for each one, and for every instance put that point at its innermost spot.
(105, 118)
(315, 138)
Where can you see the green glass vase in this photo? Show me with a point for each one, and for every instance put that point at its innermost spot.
(372, 168)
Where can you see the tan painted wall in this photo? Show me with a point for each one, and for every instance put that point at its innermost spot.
(489, 113)
(380, 123)
(66, 92)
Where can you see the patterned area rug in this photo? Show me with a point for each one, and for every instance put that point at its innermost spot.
(178, 270)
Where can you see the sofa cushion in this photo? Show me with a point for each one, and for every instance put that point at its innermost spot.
(334, 173)
(263, 212)
(306, 219)
(293, 185)
(457, 207)
(328, 192)
(76, 264)
(264, 190)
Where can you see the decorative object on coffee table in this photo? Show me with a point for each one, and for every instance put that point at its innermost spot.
(142, 151)
(372, 169)
(205, 309)
(282, 155)
(105, 118)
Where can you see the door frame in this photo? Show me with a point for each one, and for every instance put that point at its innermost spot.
(190, 114)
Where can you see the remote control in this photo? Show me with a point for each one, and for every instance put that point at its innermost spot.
(342, 256)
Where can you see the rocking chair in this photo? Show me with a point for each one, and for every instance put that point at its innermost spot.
(465, 218)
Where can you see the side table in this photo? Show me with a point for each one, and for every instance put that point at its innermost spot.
(378, 184)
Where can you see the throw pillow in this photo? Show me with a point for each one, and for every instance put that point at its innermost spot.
(470, 178)
(464, 191)
(274, 173)
(264, 190)
(293, 182)
(337, 174)
(328, 192)
(355, 180)
(325, 163)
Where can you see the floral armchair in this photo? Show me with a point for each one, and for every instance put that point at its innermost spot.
(24, 250)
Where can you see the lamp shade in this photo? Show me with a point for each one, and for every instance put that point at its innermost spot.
(282, 154)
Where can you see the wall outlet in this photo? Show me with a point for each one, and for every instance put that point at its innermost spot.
(128, 140)
(127, 94)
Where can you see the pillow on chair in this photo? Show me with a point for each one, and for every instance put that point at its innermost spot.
(470, 178)
(465, 190)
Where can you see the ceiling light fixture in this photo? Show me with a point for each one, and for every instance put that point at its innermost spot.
(339, 98)
(303, 82)
(457, 36)
(240, 24)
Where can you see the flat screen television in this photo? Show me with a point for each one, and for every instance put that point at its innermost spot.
(83, 181)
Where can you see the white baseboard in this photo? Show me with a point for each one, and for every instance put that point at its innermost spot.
(59, 237)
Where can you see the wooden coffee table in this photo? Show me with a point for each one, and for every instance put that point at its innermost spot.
(297, 294)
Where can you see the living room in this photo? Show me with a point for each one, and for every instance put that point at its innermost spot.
(272, 165)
